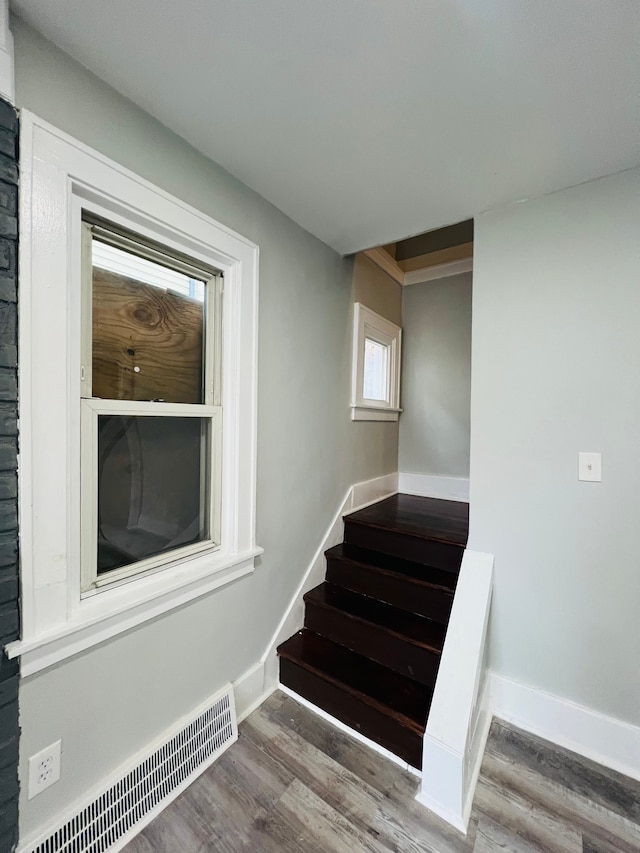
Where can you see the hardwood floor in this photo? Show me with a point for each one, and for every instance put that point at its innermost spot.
(295, 784)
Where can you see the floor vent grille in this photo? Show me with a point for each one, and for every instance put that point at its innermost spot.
(131, 801)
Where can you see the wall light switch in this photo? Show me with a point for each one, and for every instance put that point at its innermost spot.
(590, 467)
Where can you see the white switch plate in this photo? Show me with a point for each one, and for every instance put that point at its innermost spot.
(590, 467)
(44, 768)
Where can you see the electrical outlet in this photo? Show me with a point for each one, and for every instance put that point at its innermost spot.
(44, 768)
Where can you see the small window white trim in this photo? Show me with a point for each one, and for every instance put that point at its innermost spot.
(368, 324)
(59, 175)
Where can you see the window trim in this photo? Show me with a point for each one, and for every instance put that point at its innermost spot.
(59, 173)
(369, 325)
(91, 407)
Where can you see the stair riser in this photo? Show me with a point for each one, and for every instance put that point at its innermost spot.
(397, 566)
(396, 590)
(440, 555)
(378, 727)
(373, 642)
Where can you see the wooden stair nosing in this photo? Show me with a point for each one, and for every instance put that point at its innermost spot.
(401, 594)
(445, 556)
(392, 563)
(404, 638)
(426, 535)
(392, 713)
(410, 661)
(365, 719)
(418, 516)
(335, 554)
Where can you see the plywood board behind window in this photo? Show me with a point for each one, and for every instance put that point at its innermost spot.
(157, 331)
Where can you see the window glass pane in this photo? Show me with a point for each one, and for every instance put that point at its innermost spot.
(152, 486)
(148, 329)
(375, 370)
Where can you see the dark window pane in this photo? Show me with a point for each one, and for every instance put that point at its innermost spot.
(152, 486)
(148, 329)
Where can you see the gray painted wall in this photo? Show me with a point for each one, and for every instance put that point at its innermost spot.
(556, 369)
(109, 702)
(436, 377)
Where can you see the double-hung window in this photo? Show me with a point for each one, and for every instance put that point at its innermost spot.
(151, 405)
(138, 399)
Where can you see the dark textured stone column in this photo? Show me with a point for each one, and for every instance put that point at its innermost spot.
(9, 583)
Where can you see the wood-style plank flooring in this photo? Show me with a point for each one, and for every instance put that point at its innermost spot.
(295, 784)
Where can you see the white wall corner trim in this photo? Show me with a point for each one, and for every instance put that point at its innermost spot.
(432, 486)
(258, 682)
(7, 81)
(459, 718)
(438, 271)
(603, 739)
(383, 259)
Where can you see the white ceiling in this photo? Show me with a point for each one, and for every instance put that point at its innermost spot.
(371, 120)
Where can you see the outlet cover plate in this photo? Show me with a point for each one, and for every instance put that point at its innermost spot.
(44, 768)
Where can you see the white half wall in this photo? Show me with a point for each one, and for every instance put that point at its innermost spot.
(459, 717)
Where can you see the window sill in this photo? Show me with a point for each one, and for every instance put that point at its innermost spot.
(112, 612)
(371, 413)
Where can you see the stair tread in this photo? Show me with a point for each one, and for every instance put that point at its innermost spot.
(424, 518)
(410, 627)
(445, 580)
(398, 697)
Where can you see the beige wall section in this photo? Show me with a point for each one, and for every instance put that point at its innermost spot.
(556, 357)
(109, 702)
(375, 289)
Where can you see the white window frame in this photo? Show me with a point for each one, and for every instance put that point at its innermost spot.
(369, 325)
(92, 408)
(59, 177)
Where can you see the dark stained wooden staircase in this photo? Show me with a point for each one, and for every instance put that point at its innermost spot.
(374, 630)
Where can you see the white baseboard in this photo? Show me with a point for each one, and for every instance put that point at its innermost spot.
(262, 678)
(430, 486)
(370, 491)
(437, 808)
(82, 810)
(251, 690)
(603, 739)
